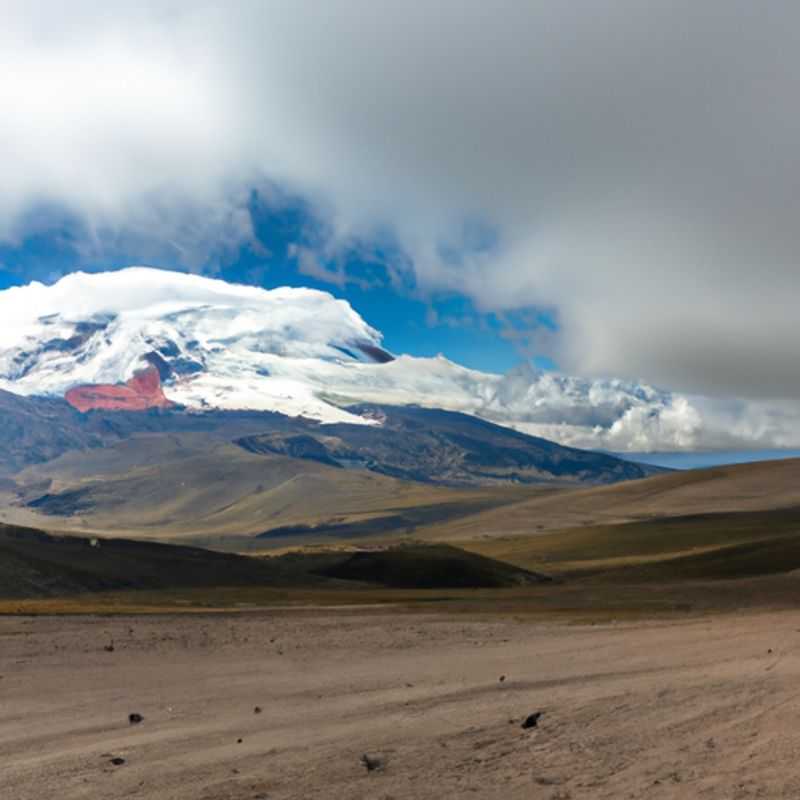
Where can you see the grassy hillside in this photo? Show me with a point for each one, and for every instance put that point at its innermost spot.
(743, 487)
(41, 574)
(707, 546)
(209, 491)
(35, 564)
(428, 567)
(642, 540)
(248, 480)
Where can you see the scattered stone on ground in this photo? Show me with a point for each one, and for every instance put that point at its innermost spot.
(655, 696)
(372, 763)
(532, 720)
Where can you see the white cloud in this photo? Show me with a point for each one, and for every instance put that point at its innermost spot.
(639, 161)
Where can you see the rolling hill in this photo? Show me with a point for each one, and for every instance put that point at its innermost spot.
(759, 486)
(173, 472)
(732, 522)
(34, 564)
(202, 489)
(655, 544)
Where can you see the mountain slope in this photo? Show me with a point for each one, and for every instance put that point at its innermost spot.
(168, 473)
(33, 430)
(37, 429)
(444, 447)
(199, 486)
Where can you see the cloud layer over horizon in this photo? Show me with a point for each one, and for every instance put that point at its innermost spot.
(632, 166)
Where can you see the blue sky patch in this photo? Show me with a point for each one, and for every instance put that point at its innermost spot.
(291, 246)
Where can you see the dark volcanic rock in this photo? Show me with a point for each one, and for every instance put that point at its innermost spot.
(532, 720)
(371, 762)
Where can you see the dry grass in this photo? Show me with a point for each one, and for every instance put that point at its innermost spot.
(761, 486)
(577, 601)
(212, 493)
(651, 566)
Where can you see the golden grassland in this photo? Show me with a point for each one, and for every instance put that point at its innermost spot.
(762, 486)
(170, 489)
(669, 567)
(577, 601)
(713, 540)
(727, 545)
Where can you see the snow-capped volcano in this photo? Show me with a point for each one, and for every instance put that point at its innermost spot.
(140, 337)
(214, 344)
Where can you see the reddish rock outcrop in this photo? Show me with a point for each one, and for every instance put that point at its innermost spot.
(141, 392)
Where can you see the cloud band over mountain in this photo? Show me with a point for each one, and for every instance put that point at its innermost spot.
(636, 164)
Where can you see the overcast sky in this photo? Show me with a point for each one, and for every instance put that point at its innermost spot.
(630, 166)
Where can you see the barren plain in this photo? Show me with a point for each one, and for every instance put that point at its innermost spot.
(701, 707)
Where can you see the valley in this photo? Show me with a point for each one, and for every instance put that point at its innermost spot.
(332, 535)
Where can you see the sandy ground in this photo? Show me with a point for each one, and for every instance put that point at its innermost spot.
(704, 708)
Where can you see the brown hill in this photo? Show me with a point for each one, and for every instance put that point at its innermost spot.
(758, 486)
(263, 477)
(200, 489)
(36, 564)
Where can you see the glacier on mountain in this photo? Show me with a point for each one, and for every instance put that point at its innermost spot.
(297, 351)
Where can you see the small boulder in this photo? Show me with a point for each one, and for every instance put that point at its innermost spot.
(532, 720)
(135, 719)
(371, 763)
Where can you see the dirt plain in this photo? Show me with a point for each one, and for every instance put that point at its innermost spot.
(700, 707)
